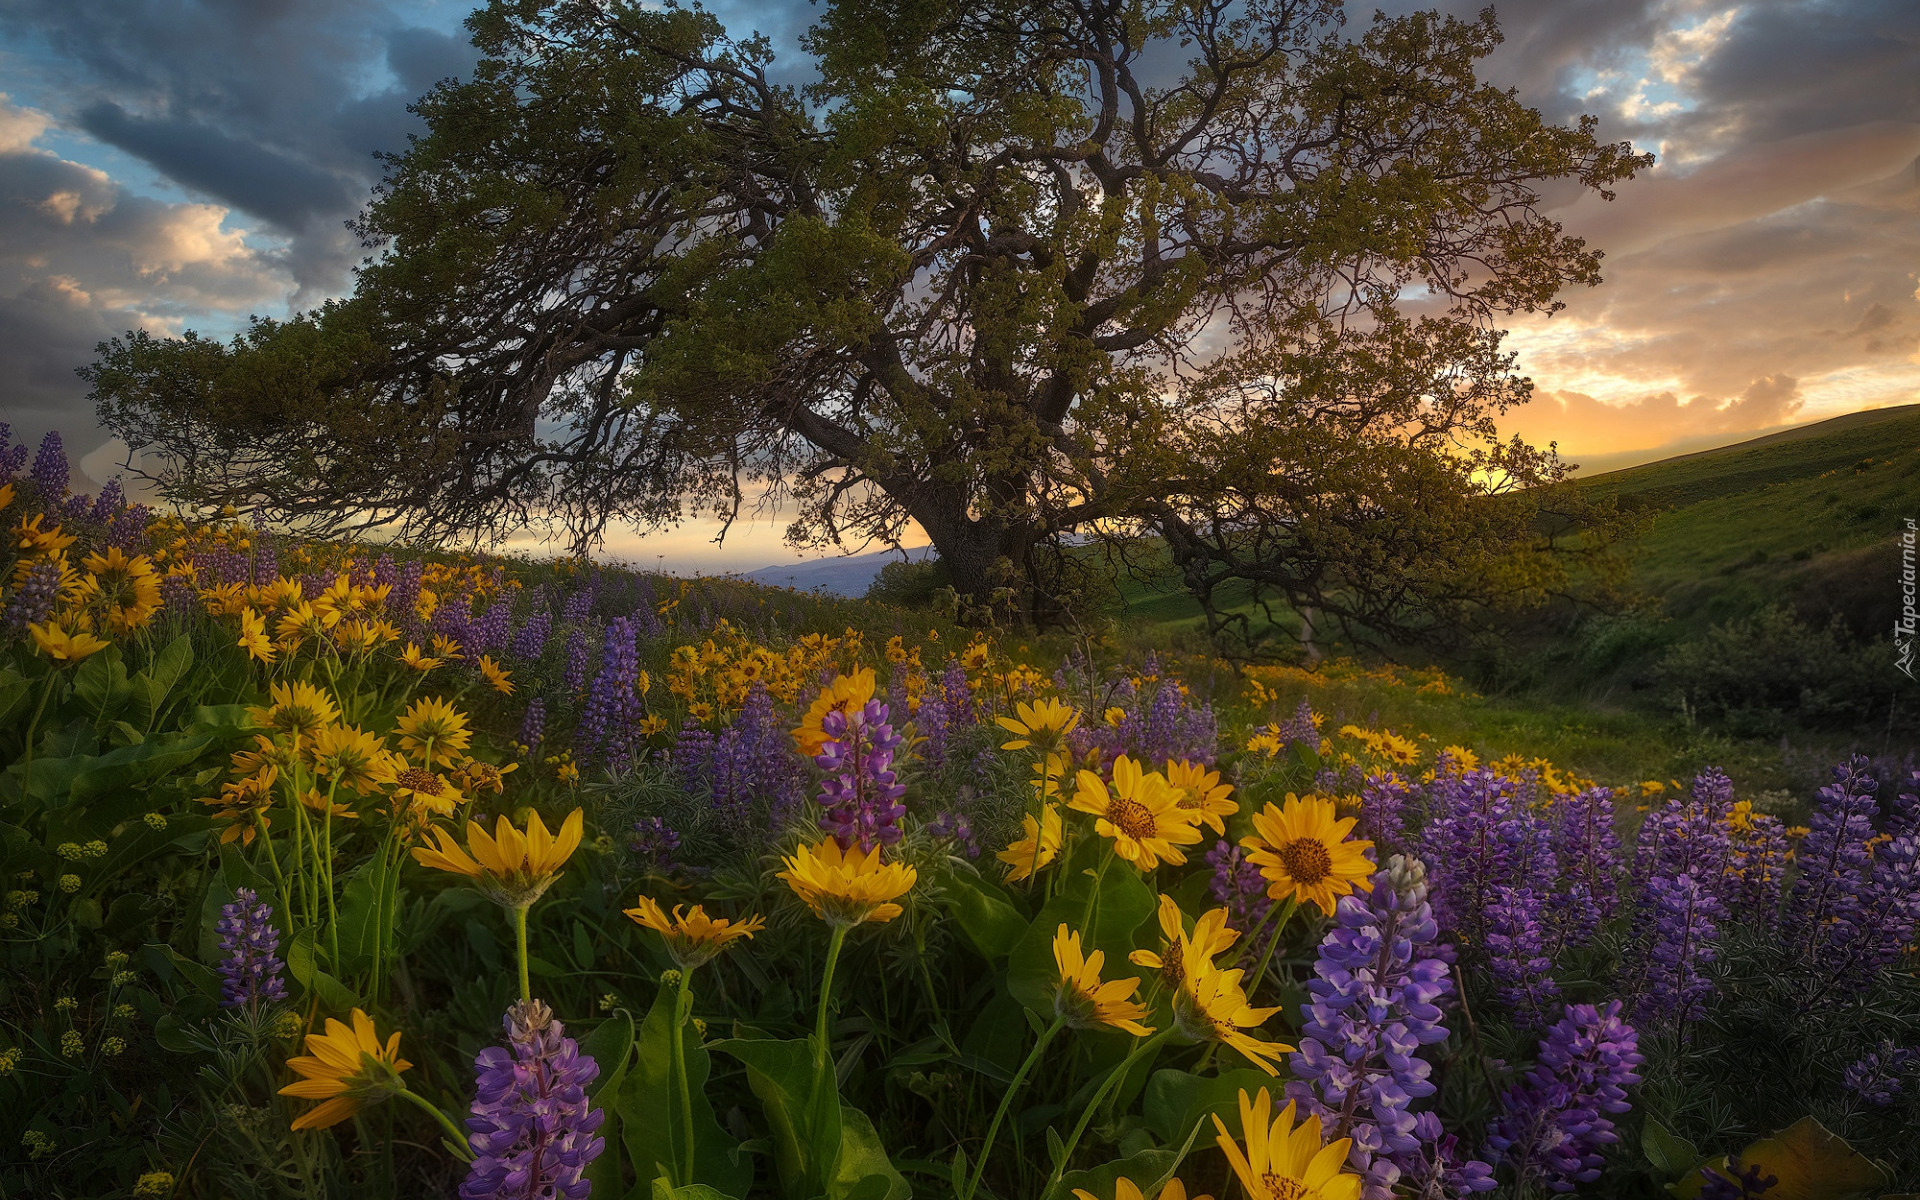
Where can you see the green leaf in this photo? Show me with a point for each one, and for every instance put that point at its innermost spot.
(989, 921)
(692, 1191)
(166, 962)
(1149, 1170)
(805, 1138)
(1669, 1153)
(648, 1107)
(611, 1046)
(1125, 902)
(303, 966)
(1177, 1101)
(100, 685)
(863, 1171)
(361, 920)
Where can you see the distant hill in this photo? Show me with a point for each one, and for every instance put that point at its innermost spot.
(849, 576)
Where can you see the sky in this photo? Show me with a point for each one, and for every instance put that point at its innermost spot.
(176, 164)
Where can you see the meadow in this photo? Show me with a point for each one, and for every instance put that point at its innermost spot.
(334, 870)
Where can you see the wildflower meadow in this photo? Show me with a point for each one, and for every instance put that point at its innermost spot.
(334, 871)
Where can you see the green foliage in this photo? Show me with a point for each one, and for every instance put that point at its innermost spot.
(1760, 675)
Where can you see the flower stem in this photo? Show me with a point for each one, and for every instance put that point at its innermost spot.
(1280, 927)
(33, 728)
(1093, 1105)
(682, 1008)
(1006, 1101)
(1093, 896)
(454, 1134)
(520, 946)
(822, 1060)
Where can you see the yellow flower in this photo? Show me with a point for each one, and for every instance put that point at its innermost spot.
(242, 804)
(500, 680)
(1303, 851)
(1044, 725)
(413, 659)
(692, 937)
(1210, 937)
(346, 1070)
(1141, 813)
(847, 887)
(253, 636)
(1281, 1162)
(299, 623)
(126, 587)
(424, 787)
(432, 722)
(1212, 1006)
(299, 710)
(30, 539)
(446, 648)
(1037, 845)
(1113, 716)
(847, 693)
(1127, 1189)
(62, 646)
(1461, 758)
(1082, 1000)
(512, 868)
(1202, 794)
(351, 758)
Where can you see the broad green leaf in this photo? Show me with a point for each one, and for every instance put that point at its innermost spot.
(334, 996)
(1125, 902)
(693, 1191)
(100, 686)
(648, 1107)
(806, 1138)
(989, 921)
(361, 921)
(863, 1171)
(1177, 1101)
(1669, 1153)
(610, 1045)
(1148, 1169)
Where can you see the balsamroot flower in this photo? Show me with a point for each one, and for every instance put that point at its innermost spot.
(511, 867)
(347, 1069)
(1304, 852)
(848, 887)
(299, 711)
(1042, 726)
(434, 732)
(693, 938)
(56, 643)
(1082, 1000)
(1037, 845)
(250, 966)
(1127, 1189)
(1282, 1162)
(1141, 813)
(533, 1131)
(1202, 794)
(847, 693)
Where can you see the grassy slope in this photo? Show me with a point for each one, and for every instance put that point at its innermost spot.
(1804, 516)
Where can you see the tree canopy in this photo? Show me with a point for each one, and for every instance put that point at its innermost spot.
(1225, 276)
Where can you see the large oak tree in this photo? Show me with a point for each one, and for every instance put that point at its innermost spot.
(1225, 277)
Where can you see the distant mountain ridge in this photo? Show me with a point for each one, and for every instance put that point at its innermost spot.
(849, 576)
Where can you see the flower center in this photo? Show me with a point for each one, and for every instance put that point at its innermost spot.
(416, 780)
(1308, 861)
(1282, 1187)
(1131, 817)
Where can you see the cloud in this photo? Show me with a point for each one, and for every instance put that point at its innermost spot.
(82, 260)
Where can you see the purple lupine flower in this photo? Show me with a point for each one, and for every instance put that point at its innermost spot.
(50, 471)
(1517, 952)
(1587, 852)
(405, 597)
(12, 457)
(1382, 801)
(1375, 1000)
(111, 500)
(1681, 914)
(533, 726)
(1238, 886)
(78, 506)
(128, 528)
(580, 603)
(1879, 1078)
(653, 845)
(1557, 1120)
(777, 774)
(1748, 1183)
(490, 629)
(1689, 837)
(1299, 729)
(1441, 1170)
(250, 966)
(954, 827)
(930, 723)
(531, 642)
(1761, 852)
(1877, 931)
(860, 797)
(958, 694)
(177, 596)
(579, 662)
(1833, 860)
(1479, 837)
(1159, 740)
(266, 558)
(533, 1129)
(33, 602)
(613, 704)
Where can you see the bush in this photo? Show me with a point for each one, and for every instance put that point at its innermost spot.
(910, 584)
(1755, 675)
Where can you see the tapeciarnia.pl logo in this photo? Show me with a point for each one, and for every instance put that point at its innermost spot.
(1904, 626)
